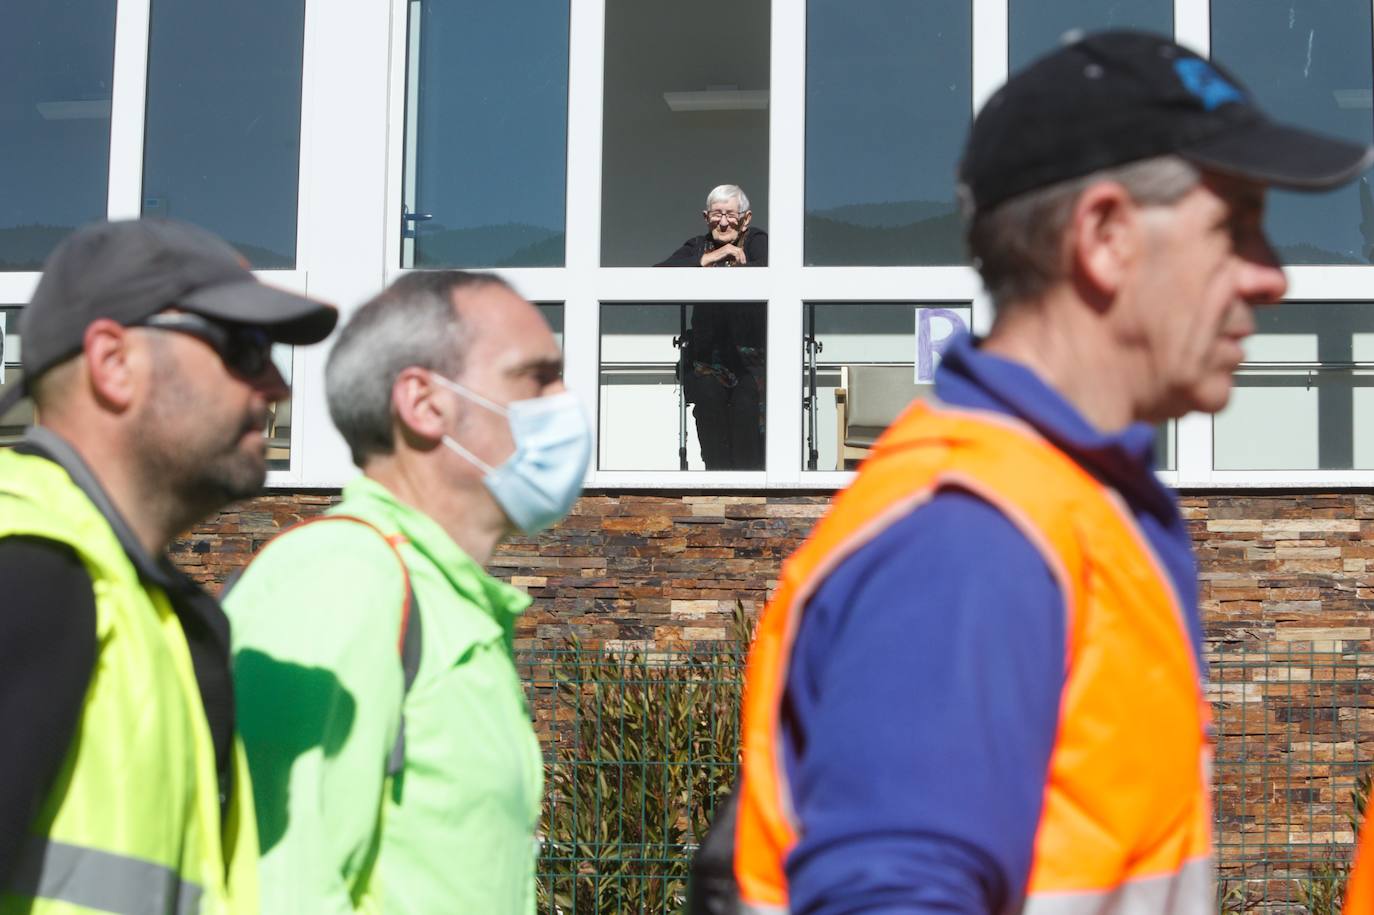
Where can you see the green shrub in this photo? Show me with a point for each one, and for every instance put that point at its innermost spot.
(652, 745)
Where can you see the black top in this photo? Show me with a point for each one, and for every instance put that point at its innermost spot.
(48, 650)
(689, 255)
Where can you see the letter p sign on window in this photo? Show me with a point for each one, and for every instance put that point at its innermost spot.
(935, 328)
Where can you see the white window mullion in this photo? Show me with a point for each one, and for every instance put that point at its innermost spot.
(346, 174)
(1193, 25)
(402, 99)
(586, 80)
(582, 246)
(783, 455)
(17, 289)
(990, 48)
(787, 139)
(786, 207)
(582, 361)
(127, 108)
(1194, 449)
(1329, 283)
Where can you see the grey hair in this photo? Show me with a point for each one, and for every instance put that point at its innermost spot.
(1018, 246)
(413, 322)
(724, 192)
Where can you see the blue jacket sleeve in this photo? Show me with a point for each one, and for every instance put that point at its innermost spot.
(919, 717)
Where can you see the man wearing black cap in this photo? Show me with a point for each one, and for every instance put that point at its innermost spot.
(147, 351)
(978, 687)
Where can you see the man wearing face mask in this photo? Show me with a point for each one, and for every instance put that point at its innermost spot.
(395, 762)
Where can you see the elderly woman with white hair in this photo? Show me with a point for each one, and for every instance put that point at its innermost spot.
(722, 370)
(729, 240)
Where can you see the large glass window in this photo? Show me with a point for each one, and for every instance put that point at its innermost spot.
(1304, 399)
(58, 61)
(486, 134)
(864, 363)
(888, 102)
(683, 386)
(686, 110)
(222, 134)
(1036, 27)
(1308, 62)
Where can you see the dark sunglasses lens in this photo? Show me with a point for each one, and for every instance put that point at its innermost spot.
(248, 353)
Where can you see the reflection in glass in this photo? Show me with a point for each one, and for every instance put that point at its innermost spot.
(1037, 26)
(222, 136)
(685, 110)
(864, 364)
(887, 105)
(1308, 62)
(486, 134)
(1166, 446)
(58, 61)
(1304, 400)
(683, 386)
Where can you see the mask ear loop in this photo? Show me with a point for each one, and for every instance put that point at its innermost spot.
(469, 394)
(481, 401)
(464, 453)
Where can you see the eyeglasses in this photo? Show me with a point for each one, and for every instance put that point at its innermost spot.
(246, 351)
(716, 216)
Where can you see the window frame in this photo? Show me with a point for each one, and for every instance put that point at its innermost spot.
(582, 284)
(125, 195)
(352, 151)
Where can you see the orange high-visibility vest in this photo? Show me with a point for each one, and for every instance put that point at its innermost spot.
(1125, 823)
(1359, 891)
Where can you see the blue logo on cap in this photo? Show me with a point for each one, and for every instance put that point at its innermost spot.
(1206, 83)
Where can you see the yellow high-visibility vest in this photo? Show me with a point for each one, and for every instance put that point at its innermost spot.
(132, 824)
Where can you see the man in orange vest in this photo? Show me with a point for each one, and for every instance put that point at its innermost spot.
(978, 688)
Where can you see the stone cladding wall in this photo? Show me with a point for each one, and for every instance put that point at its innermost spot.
(666, 569)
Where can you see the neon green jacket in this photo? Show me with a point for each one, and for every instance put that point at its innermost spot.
(319, 685)
(133, 822)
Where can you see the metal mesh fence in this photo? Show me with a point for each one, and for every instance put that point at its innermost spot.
(641, 747)
(1294, 738)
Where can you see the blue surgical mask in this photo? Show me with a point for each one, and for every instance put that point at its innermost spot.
(537, 485)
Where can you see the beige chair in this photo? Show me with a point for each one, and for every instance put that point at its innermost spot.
(869, 398)
(279, 431)
(20, 416)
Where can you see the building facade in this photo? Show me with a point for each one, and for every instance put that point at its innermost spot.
(569, 145)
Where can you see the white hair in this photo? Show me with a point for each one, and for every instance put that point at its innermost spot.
(724, 192)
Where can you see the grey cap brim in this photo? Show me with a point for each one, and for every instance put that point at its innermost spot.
(1282, 156)
(287, 317)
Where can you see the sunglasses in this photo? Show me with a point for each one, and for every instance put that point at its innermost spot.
(246, 351)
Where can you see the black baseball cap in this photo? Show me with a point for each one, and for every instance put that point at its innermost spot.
(1114, 97)
(129, 270)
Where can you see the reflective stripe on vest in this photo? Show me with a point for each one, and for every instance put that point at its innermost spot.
(94, 879)
(1189, 891)
(1125, 823)
(747, 908)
